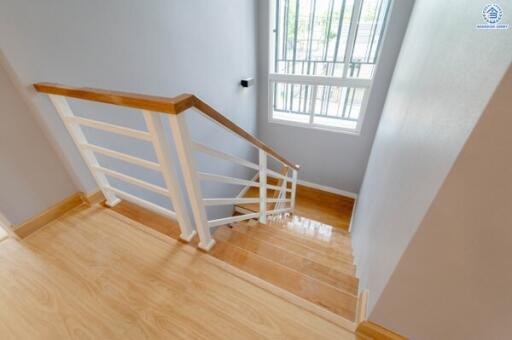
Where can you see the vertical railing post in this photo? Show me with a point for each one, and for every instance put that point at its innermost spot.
(263, 186)
(164, 156)
(294, 188)
(282, 191)
(188, 168)
(64, 110)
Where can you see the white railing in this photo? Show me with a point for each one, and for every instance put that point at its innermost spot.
(282, 201)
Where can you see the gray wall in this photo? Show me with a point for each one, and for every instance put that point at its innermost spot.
(156, 47)
(454, 280)
(32, 177)
(329, 158)
(445, 75)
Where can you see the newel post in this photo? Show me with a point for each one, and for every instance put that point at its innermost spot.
(189, 171)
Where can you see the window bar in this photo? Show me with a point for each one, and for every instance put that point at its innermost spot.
(297, 2)
(345, 101)
(276, 53)
(356, 16)
(338, 36)
(311, 30)
(373, 32)
(285, 49)
(353, 94)
(328, 30)
(313, 103)
(337, 45)
(383, 25)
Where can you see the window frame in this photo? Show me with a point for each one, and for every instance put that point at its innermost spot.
(315, 80)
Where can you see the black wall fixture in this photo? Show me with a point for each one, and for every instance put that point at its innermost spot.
(247, 82)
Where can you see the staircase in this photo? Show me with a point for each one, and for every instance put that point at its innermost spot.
(290, 236)
(305, 257)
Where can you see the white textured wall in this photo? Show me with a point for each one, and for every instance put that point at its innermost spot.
(329, 158)
(454, 281)
(160, 47)
(445, 75)
(32, 177)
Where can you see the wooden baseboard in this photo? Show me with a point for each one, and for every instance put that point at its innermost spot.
(95, 197)
(59, 209)
(362, 306)
(327, 189)
(368, 330)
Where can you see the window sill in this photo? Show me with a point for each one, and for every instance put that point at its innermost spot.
(315, 127)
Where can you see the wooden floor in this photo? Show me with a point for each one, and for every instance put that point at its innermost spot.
(95, 274)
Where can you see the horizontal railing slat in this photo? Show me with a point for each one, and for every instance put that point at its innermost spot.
(220, 154)
(231, 219)
(132, 180)
(275, 187)
(122, 156)
(146, 204)
(226, 179)
(110, 128)
(229, 201)
(273, 173)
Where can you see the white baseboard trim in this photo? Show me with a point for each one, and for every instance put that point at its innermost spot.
(328, 189)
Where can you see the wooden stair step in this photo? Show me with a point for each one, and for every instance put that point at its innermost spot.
(327, 238)
(307, 228)
(342, 264)
(330, 250)
(333, 277)
(317, 226)
(315, 291)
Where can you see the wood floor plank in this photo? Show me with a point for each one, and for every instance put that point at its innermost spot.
(96, 274)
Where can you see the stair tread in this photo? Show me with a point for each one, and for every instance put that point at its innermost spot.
(328, 275)
(304, 225)
(325, 207)
(309, 230)
(313, 290)
(330, 250)
(340, 263)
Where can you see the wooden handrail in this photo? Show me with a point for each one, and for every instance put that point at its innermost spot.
(167, 105)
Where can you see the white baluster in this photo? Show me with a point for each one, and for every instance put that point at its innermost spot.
(294, 189)
(263, 186)
(189, 171)
(64, 110)
(284, 186)
(163, 153)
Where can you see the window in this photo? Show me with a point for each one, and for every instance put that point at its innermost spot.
(323, 58)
